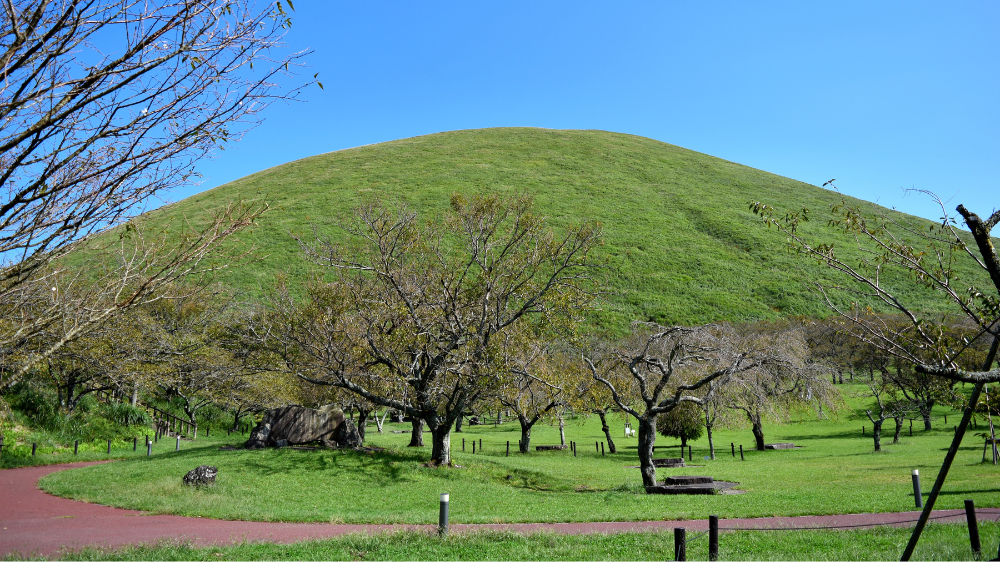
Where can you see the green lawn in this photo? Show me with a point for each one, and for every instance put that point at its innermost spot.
(939, 542)
(835, 471)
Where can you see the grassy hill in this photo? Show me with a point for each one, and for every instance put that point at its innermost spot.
(682, 245)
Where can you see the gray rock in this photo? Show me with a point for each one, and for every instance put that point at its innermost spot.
(296, 425)
(346, 435)
(202, 475)
(779, 446)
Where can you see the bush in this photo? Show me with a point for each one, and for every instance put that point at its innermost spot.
(124, 414)
(683, 422)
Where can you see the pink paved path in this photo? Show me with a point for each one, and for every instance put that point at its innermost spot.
(34, 522)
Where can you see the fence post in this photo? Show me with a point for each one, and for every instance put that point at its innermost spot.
(135, 444)
(34, 446)
(109, 446)
(733, 445)
(970, 518)
(713, 537)
(508, 448)
(741, 453)
(76, 446)
(680, 548)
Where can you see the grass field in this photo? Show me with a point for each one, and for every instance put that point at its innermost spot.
(680, 243)
(835, 471)
(939, 542)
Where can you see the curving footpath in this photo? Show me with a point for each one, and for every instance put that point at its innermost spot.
(36, 523)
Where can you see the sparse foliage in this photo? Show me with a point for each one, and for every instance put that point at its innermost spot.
(418, 312)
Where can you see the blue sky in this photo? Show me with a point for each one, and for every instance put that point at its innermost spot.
(882, 96)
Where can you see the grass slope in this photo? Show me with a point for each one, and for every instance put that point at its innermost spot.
(682, 246)
(835, 471)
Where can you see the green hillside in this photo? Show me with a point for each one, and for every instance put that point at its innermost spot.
(681, 243)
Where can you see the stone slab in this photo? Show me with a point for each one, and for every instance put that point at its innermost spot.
(682, 480)
(693, 489)
(779, 446)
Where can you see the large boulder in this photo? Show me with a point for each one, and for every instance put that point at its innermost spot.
(202, 475)
(296, 425)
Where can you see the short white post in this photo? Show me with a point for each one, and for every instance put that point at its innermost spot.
(917, 496)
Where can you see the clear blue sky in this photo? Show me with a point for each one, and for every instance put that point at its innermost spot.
(881, 96)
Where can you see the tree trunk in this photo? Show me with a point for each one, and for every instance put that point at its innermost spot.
(236, 417)
(525, 434)
(925, 411)
(441, 445)
(758, 434)
(899, 428)
(458, 424)
(380, 421)
(362, 422)
(711, 444)
(607, 431)
(562, 431)
(417, 434)
(134, 401)
(684, 443)
(647, 438)
(877, 434)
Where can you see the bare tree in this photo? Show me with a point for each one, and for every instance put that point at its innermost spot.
(425, 306)
(105, 104)
(888, 405)
(931, 256)
(63, 304)
(535, 385)
(773, 390)
(654, 373)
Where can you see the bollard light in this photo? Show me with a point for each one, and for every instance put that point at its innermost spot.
(918, 499)
(443, 516)
(178, 447)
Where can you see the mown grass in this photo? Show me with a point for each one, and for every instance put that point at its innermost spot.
(938, 542)
(835, 471)
(680, 243)
(52, 450)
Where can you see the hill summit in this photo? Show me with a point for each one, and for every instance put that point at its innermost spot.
(681, 244)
